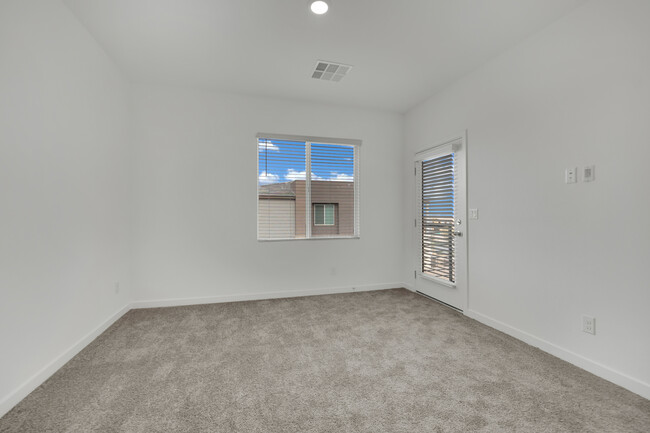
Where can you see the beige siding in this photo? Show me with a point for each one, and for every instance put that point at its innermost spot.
(276, 218)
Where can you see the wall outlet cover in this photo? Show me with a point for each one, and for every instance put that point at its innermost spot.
(571, 175)
(589, 325)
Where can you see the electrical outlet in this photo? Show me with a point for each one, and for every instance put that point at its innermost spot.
(473, 214)
(589, 325)
(571, 175)
(117, 287)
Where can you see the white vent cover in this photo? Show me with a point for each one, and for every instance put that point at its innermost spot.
(330, 71)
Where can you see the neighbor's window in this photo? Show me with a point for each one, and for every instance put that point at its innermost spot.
(294, 205)
(324, 214)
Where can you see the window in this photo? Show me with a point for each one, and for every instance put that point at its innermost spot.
(294, 205)
(438, 179)
(324, 214)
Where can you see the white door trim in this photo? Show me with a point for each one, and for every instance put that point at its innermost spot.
(457, 141)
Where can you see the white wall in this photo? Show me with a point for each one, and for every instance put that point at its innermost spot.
(196, 195)
(543, 253)
(64, 190)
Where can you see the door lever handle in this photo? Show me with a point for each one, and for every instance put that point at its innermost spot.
(458, 234)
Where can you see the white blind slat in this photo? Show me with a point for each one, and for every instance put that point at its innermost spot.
(436, 189)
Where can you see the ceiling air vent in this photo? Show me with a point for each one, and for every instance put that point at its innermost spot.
(329, 71)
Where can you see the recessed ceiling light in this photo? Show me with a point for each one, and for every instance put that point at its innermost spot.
(319, 7)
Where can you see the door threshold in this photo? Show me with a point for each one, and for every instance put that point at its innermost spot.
(439, 301)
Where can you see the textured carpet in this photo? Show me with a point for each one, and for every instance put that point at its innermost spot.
(386, 361)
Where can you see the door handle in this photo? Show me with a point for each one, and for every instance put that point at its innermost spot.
(458, 234)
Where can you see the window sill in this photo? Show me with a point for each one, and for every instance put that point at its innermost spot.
(436, 280)
(317, 238)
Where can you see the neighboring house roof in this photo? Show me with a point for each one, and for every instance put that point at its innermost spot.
(287, 190)
(284, 190)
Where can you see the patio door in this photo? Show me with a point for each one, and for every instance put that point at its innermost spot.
(441, 223)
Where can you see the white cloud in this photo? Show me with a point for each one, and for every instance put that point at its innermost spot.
(299, 175)
(341, 177)
(334, 176)
(268, 146)
(266, 178)
(294, 175)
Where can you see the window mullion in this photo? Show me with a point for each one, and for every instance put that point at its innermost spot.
(308, 189)
(356, 192)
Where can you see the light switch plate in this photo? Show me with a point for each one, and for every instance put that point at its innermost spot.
(589, 173)
(473, 214)
(571, 175)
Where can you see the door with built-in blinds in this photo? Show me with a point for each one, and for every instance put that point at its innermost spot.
(441, 226)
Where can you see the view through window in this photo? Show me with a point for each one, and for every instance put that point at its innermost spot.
(292, 205)
(437, 219)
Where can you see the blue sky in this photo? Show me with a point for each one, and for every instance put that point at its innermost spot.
(284, 161)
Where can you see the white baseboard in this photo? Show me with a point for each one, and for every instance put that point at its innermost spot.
(600, 370)
(14, 397)
(176, 302)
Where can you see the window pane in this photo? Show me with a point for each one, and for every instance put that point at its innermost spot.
(332, 183)
(329, 214)
(281, 189)
(319, 212)
(438, 204)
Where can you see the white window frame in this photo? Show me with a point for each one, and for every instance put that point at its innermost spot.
(333, 214)
(308, 140)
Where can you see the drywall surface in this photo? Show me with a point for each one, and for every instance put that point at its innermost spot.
(64, 190)
(195, 197)
(543, 252)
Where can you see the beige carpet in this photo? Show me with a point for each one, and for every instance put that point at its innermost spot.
(386, 361)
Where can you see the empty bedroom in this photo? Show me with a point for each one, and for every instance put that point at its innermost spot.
(320, 216)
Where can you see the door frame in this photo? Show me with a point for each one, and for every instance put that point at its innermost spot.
(462, 271)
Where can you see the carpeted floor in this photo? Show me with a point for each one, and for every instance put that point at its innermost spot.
(386, 361)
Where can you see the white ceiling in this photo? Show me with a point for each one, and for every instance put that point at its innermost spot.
(402, 51)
